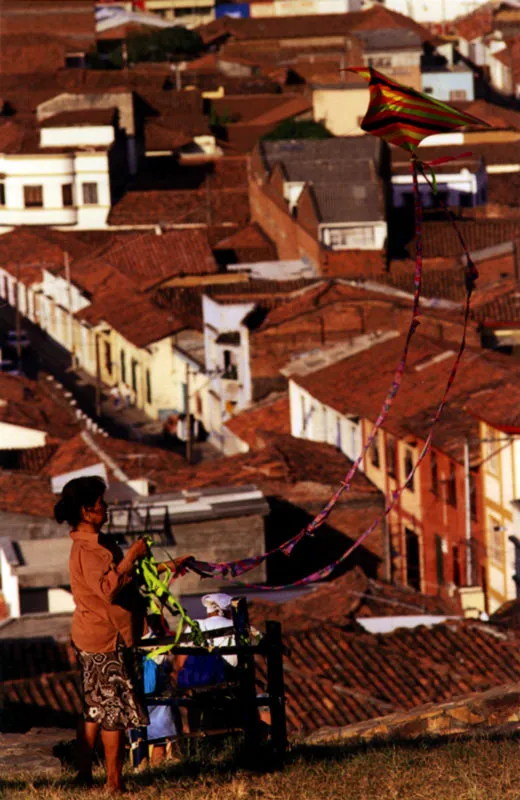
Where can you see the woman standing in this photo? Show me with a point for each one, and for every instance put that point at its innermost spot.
(107, 622)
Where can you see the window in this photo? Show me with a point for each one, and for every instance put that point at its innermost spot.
(491, 453)
(451, 485)
(134, 375)
(351, 237)
(465, 199)
(90, 194)
(434, 473)
(2, 194)
(122, 360)
(374, 452)
(439, 560)
(108, 357)
(458, 94)
(473, 499)
(230, 367)
(66, 194)
(33, 196)
(390, 457)
(303, 413)
(497, 544)
(148, 386)
(413, 560)
(428, 90)
(408, 466)
(457, 572)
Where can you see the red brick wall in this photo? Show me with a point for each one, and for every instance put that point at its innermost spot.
(449, 522)
(269, 209)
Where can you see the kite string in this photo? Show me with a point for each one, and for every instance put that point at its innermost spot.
(239, 567)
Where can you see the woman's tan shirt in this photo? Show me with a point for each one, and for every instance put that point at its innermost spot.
(107, 604)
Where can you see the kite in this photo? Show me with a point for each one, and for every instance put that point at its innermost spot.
(402, 117)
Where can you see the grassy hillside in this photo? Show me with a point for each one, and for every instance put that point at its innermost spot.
(473, 770)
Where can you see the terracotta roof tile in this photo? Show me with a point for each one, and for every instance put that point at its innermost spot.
(92, 116)
(136, 460)
(371, 373)
(26, 494)
(148, 259)
(475, 25)
(347, 598)
(248, 245)
(271, 415)
(35, 405)
(440, 239)
(182, 207)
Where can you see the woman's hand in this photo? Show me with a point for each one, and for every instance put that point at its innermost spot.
(139, 549)
(177, 565)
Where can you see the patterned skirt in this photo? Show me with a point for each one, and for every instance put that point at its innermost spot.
(112, 692)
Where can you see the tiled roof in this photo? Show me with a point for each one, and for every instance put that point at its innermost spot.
(283, 462)
(259, 108)
(148, 259)
(249, 245)
(504, 189)
(371, 371)
(74, 22)
(136, 460)
(342, 171)
(270, 415)
(501, 310)
(347, 598)
(403, 669)
(500, 117)
(33, 404)
(353, 263)
(441, 241)
(475, 25)
(29, 53)
(316, 299)
(318, 25)
(91, 116)
(26, 494)
(182, 207)
(334, 678)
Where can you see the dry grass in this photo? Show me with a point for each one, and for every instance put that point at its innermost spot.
(471, 770)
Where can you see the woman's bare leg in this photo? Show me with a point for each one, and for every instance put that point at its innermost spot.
(86, 738)
(113, 747)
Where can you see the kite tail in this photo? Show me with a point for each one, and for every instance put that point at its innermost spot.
(235, 568)
(325, 572)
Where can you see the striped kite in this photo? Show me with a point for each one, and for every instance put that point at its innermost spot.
(403, 116)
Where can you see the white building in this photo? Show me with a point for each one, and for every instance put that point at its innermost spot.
(59, 172)
(226, 347)
(437, 11)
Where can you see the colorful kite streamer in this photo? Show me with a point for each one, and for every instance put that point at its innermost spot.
(402, 117)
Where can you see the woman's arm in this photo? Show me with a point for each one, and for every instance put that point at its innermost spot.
(176, 566)
(106, 578)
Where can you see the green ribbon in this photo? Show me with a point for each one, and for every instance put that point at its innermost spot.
(156, 588)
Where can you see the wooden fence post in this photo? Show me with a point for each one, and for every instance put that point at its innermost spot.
(246, 673)
(275, 687)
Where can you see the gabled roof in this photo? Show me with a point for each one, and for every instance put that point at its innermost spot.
(271, 415)
(34, 404)
(249, 245)
(358, 386)
(148, 259)
(135, 460)
(165, 207)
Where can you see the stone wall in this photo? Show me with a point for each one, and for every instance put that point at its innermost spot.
(494, 711)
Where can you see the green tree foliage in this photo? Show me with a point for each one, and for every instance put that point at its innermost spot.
(163, 45)
(294, 129)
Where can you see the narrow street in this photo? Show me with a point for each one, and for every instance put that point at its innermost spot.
(132, 424)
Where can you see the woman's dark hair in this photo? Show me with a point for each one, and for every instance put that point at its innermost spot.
(77, 494)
